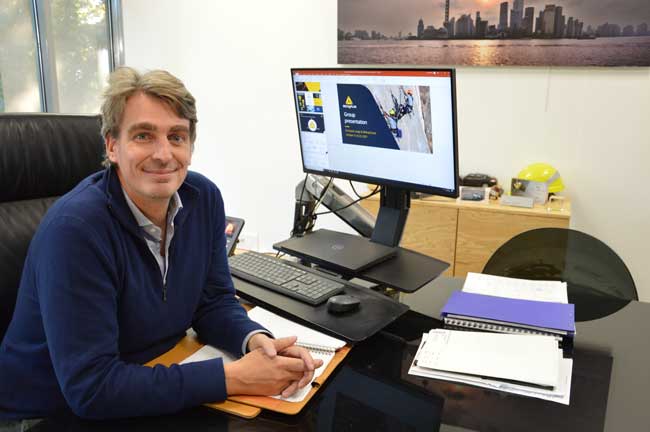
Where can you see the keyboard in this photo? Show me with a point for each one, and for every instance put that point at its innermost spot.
(293, 280)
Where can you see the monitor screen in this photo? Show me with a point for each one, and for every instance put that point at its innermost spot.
(390, 127)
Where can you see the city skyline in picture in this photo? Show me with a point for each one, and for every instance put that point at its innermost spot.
(494, 32)
(390, 17)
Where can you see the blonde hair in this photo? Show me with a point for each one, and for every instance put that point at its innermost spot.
(124, 82)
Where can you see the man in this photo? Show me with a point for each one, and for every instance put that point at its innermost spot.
(408, 106)
(391, 118)
(121, 266)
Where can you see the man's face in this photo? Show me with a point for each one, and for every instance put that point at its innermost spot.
(152, 152)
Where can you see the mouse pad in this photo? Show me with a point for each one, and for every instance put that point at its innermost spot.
(375, 312)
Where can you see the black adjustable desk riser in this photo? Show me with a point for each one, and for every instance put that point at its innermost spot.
(404, 270)
(407, 271)
(376, 311)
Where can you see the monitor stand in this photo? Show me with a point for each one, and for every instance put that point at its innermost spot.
(351, 254)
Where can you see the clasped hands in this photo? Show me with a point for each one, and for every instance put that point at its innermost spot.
(273, 366)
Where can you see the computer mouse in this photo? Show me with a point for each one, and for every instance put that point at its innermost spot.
(342, 303)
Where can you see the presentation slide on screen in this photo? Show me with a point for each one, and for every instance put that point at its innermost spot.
(387, 124)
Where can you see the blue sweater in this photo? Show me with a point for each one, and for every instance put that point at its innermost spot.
(90, 308)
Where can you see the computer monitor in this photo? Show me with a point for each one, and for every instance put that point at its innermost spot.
(391, 127)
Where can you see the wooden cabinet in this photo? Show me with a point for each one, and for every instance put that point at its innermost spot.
(466, 234)
(430, 229)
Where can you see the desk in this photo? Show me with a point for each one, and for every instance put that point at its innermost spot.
(371, 388)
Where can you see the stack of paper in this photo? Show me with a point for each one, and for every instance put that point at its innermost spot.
(509, 338)
(515, 306)
(528, 365)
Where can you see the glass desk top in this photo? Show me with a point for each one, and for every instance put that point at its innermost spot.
(372, 390)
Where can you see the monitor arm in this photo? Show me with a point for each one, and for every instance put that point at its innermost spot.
(334, 198)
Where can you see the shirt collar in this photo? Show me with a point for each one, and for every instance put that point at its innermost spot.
(116, 202)
(175, 204)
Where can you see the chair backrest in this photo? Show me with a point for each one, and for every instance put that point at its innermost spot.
(42, 156)
(598, 281)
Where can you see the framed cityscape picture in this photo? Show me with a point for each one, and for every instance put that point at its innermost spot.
(494, 32)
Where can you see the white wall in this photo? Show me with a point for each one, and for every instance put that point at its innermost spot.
(592, 124)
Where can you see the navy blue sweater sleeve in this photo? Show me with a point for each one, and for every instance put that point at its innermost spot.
(76, 285)
(220, 320)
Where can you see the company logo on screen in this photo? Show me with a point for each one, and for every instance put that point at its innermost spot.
(349, 104)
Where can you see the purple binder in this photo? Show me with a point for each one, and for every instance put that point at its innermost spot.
(558, 316)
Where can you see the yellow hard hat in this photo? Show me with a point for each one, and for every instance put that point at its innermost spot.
(543, 172)
(391, 112)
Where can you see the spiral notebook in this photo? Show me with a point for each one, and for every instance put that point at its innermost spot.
(320, 346)
(308, 338)
(463, 323)
(190, 349)
(491, 312)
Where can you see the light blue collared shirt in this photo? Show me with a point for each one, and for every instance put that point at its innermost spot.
(153, 234)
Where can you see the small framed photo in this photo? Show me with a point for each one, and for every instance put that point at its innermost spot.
(538, 191)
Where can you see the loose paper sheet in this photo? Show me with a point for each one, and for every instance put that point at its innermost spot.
(524, 289)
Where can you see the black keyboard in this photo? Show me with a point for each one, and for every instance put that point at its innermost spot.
(293, 280)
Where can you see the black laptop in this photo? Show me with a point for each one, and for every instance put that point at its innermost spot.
(337, 251)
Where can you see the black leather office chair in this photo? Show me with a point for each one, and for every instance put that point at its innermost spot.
(42, 156)
(598, 281)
